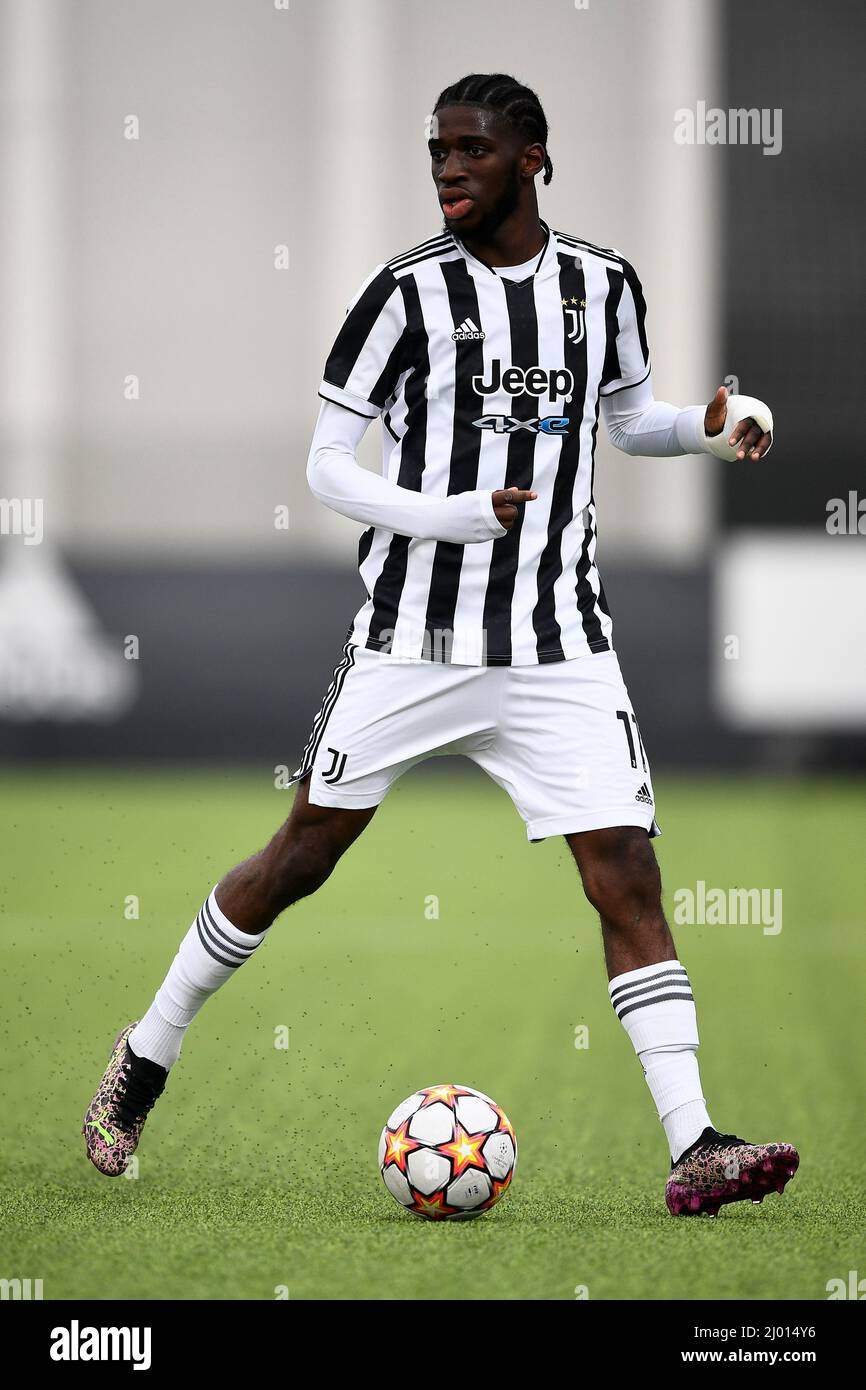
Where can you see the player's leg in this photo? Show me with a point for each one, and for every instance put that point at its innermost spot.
(228, 930)
(649, 986)
(235, 918)
(652, 996)
(621, 879)
(300, 857)
(230, 927)
(378, 718)
(569, 751)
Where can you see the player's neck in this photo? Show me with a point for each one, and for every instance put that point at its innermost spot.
(518, 238)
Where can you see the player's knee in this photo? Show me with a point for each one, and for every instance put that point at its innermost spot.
(294, 866)
(622, 879)
(302, 869)
(623, 899)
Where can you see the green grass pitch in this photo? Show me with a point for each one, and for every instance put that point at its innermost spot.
(257, 1169)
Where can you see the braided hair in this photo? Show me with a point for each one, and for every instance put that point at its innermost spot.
(508, 97)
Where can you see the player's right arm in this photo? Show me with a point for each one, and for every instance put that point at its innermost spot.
(360, 376)
(338, 480)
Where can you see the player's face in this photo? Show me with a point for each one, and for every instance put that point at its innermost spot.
(476, 161)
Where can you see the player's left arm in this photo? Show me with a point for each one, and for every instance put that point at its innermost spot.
(731, 426)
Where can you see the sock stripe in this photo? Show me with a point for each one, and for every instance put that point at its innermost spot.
(215, 947)
(206, 959)
(635, 1000)
(218, 936)
(649, 982)
(656, 999)
(219, 959)
(666, 1041)
(672, 981)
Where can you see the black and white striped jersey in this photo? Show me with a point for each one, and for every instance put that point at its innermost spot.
(482, 382)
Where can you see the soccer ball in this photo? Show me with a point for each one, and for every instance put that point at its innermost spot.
(448, 1152)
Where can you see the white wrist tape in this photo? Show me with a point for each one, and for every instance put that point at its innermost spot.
(739, 408)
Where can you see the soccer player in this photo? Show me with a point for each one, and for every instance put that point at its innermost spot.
(487, 352)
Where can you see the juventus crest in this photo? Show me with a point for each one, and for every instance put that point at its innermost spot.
(574, 312)
(575, 322)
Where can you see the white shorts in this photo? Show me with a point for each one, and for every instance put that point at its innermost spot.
(561, 738)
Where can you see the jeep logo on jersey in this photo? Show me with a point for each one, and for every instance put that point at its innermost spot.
(526, 381)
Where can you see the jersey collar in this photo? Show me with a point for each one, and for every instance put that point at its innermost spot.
(547, 263)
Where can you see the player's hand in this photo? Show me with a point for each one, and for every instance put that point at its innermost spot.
(746, 435)
(506, 500)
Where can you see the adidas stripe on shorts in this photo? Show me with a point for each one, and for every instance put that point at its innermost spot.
(561, 738)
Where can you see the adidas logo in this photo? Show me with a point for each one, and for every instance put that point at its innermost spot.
(467, 329)
(644, 795)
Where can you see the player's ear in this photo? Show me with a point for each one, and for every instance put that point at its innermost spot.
(532, 162)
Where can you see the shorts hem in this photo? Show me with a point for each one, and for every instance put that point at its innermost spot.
(349, 801)
(546, 826)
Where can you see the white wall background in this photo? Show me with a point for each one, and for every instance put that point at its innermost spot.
(305, 126)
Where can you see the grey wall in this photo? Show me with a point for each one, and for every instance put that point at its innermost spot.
(233, 665)
(155, 257)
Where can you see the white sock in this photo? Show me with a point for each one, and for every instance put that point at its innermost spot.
(209, 954)
(656, 1008)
